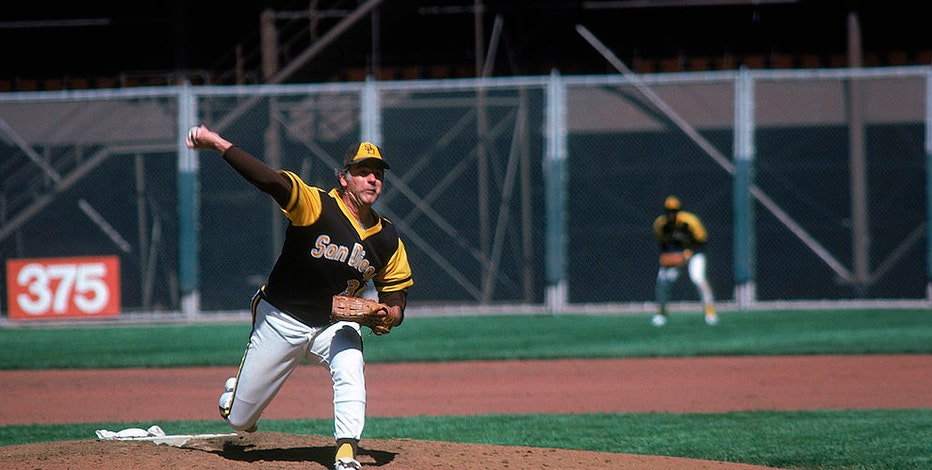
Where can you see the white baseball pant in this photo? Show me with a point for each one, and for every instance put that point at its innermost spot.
(279, 343)
(696, 266)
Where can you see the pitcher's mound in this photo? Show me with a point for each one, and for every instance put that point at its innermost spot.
(278, 450)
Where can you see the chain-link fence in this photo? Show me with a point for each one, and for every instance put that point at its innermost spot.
(837, 170)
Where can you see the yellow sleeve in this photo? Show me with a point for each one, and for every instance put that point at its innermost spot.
(658, 227)
(695, 226)
(304, 205)
(397, 273)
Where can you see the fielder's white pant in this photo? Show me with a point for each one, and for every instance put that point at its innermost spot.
(696, 268)
(279, 343)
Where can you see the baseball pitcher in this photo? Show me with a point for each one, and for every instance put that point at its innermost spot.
(334, 245)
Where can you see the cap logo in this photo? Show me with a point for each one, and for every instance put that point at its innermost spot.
(363, 151)
(367, 150)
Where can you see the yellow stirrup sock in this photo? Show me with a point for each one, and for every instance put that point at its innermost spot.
(345, 450)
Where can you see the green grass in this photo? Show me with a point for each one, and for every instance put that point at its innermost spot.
(838, 439)
(855, 439)
(494, 337)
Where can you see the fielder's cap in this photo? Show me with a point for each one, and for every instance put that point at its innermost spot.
(364, 151)
(671, 203)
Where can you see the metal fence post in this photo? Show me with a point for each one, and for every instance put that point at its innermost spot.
(744, 239)
(555, 199)
(928, 151)
(188, 206)
(370, 118)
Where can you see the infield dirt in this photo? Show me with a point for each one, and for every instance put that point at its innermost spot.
(715, 384)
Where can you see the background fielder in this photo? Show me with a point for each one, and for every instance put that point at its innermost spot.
(681, 238)
(334, 245)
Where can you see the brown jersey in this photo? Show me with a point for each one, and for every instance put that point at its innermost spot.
(326, 253)
(685, 232)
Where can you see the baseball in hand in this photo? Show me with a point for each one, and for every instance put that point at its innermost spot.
(192, 136)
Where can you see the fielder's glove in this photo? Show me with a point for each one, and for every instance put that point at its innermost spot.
(366, 312)
(673, 259)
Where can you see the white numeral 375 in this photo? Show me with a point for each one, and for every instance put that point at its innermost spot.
(82, 284)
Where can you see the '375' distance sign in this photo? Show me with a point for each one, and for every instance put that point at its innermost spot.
(56, 288)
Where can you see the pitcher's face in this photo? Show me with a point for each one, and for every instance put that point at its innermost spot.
(364, 183)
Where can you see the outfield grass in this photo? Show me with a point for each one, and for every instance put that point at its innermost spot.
(494, 337)
(845, 439)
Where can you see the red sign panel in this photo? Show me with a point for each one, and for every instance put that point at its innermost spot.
(55, 288)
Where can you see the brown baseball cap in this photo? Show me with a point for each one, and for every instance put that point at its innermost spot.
(364, 151)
